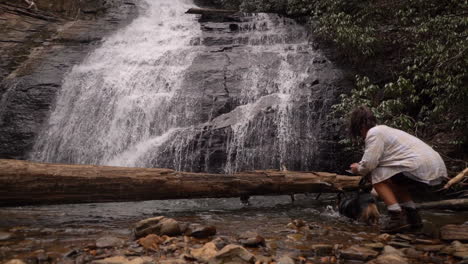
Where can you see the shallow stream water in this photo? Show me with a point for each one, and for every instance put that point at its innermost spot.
(58, 229)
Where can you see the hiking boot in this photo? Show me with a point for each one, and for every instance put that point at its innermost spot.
(413, 218)
(396, 223)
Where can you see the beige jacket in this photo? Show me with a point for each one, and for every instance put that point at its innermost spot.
(390, 151)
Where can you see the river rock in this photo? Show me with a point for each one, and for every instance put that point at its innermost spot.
(157, 225)
(109, 241)
(399, 244)
(358, 253)
(221, 242)
(457, 249)
(285, 260)
(233, 254)
(383, 237)
(15, 261)
(205, 253)
(5, 236)
(322, 249)
(151, 242)
(251, 239)
(389, 250)
(375, 246)
(454, 232)
(200, 231)
(388, 259)
(429, 248)
(124, 260)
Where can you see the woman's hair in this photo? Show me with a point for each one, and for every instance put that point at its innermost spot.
(361, 117)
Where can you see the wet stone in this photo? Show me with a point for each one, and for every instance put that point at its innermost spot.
(426, 241)
(384, 237)
(124, 260)
(41, 255)
(429, 248)
(412, 253)
(322, 249)
(375, 246)
(358, 253)
(221, 242)
(157, 225)
(251, 239)
(389, 259)
(199, 231)
(389, 250)
(205, 253)
(454, 232)
(233, 254)
(109, 241)
(399, 244)
(404, 237)
(285, 260)
(457, 249)
(151, 242)
(5, 236)
(15, 261)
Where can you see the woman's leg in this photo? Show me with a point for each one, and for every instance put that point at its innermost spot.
(386, 193)
(397, 221)
(401, 192)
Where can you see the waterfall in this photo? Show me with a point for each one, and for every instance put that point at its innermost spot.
(171, 91)
(122, 94)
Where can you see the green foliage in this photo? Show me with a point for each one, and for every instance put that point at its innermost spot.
(419, 49)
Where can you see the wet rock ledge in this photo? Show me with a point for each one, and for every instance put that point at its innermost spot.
(38, 45)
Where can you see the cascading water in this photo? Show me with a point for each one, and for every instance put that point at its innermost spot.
(122, 95)
(171, 91)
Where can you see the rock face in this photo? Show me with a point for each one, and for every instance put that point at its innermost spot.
(255, 95)
(37, 47)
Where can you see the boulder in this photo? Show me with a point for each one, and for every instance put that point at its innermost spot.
(109, 241)
(157, 225)
(251, 239)
(205, 253)
(358, 253)
(233, 254)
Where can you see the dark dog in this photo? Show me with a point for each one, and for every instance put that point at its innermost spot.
(359, 206)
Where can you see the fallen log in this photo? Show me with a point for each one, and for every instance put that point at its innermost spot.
(456, 179)
(24, 182)
(210, 11)
(453, 204)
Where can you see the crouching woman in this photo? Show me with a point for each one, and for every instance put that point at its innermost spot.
(393, 160)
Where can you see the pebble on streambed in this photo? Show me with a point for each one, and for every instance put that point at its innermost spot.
(168, 241)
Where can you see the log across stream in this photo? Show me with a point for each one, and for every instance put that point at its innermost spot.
(24, 182)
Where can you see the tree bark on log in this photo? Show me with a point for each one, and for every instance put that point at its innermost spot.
(28, 183)
(453, 204)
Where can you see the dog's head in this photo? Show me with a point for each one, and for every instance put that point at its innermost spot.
(359, 206)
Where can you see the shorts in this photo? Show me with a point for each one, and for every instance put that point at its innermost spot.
(419, 190)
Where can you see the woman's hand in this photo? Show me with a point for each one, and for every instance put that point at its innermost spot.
(354, 168)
